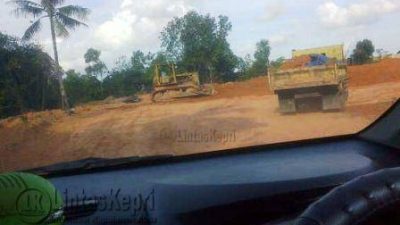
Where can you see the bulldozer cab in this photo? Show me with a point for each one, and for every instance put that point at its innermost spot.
(165, 74)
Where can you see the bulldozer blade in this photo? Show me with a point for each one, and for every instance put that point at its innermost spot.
(177, 93)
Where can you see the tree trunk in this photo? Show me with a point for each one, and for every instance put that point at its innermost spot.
(211, 74)
(64, 98)
(44, 87)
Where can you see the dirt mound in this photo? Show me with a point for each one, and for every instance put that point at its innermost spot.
(387, 70)
(296, 62)
(254, 87)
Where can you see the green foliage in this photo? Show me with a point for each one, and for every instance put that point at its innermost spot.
(244, 67)
(131, 77)
(199, 42)
(140, 62)
(61, 18)
(193, 42)
(82, 88)
(92, 55)
(128, 77)
(249, 68)
(27, 80)
(159, 58)
(95, 66)
(363, 52)
(261, 58)
(123, 82)
(277, 63)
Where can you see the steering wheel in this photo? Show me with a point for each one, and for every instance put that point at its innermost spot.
(357, 202)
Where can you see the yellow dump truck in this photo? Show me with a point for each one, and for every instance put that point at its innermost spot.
(323, 80)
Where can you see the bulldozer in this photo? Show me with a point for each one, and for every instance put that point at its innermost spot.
(167, 84)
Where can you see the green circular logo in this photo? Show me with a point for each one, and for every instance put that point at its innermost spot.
(33, 206)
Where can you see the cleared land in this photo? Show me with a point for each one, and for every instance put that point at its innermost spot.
(240, 114)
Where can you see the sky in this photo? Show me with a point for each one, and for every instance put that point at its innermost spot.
(119, 27)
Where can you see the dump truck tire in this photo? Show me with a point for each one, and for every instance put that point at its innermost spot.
(287, 103)
(335, 100)
(331, 102)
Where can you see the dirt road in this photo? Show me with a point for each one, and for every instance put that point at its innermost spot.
(230, 119)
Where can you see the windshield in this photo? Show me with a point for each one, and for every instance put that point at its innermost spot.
(112, 79)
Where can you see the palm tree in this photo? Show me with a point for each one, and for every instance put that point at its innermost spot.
(61, 19)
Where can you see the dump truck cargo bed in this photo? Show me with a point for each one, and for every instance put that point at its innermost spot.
(326, 83)
(308, 77)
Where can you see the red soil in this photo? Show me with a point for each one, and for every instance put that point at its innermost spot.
(387, 70)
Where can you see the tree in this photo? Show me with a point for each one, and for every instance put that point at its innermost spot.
(140, 62)
(142, 70)
(74, 86)
(131, 76)
(261, 57)
(158, 58)
(82, 87)
(26, 78)
(95, 66)
(224, 61)
(244, 66)
(363, 52)
(277, 63)
(199, 42)
(61, 19)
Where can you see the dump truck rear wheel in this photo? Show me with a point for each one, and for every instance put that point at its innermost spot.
(287, 103)
(334, 101)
